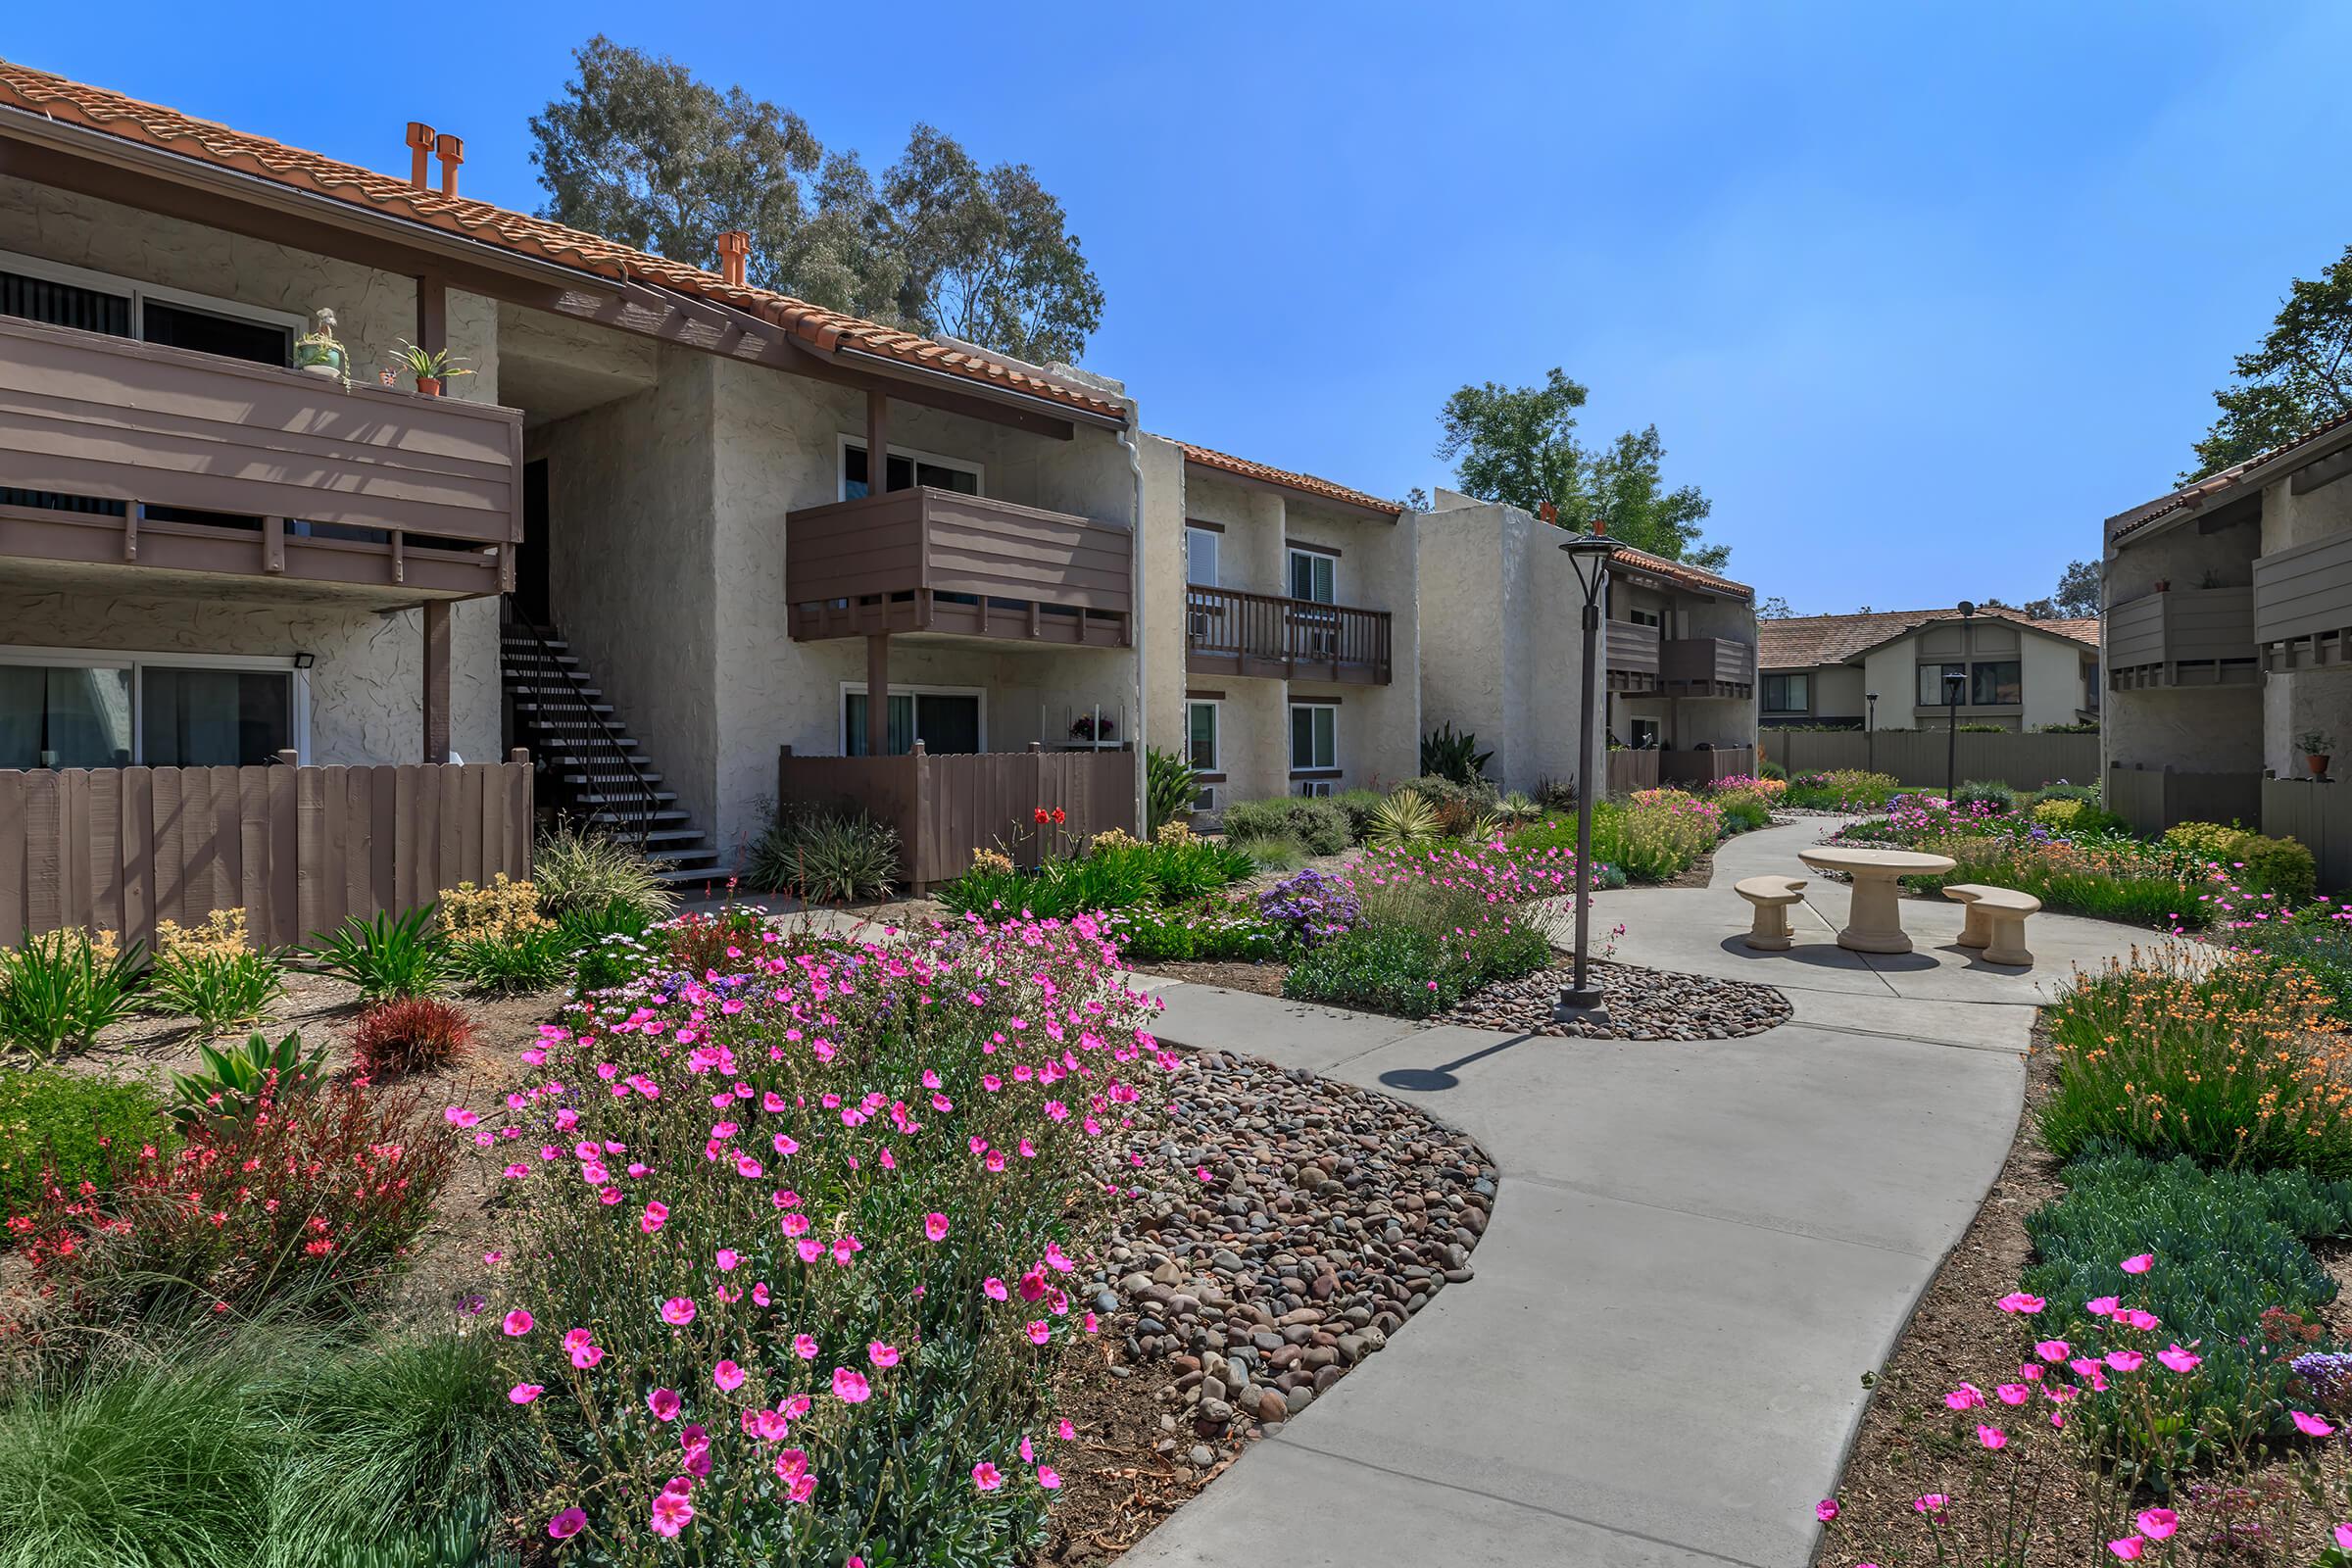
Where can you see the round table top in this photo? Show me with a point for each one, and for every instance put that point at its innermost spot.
(1897, 863)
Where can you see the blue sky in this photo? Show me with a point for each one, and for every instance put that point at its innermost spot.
(1918, 294)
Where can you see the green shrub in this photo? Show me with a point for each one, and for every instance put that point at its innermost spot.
(1457, 804)
(824, 856)
(2229, 1246)
(385, 955)
(1844, 789)
(1768, 768)
(2280, 865)
(1359, 805)
(1108, 876)
(512, 964)
(1188, 868)
(1653, 834)
(233, 1082)
(69, 1124)
(63, 988)
(1211, 930)
(1451, 754)
(575, 869)
(1742, 812)
(2061, 789)
(1271, 854)
(2075, 816)
(1171, 785)
(1992, 793)
(1320, 826)
(1388, 966)
(219, 990)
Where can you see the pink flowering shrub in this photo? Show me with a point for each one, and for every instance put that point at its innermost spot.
(1433, 925)
(806, 1234)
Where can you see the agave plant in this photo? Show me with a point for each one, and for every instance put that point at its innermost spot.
(1517, 806)
(1488, 826)
(1402, 821)
(1453, 753)
(233, 1081)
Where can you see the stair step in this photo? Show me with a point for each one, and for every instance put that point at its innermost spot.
(528, 685)
(623, 800)
(527, 643)
(611, 776)
(675, 838)
(687, 875)
(569, 708)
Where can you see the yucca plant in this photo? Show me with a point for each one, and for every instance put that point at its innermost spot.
(1486, 827)
(1402, 821)
(63, 988)
(233, 1081)
(386, 955)
(1516, 807)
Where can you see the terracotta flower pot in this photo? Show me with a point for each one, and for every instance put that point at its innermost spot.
(429, 386)
(2317, 764)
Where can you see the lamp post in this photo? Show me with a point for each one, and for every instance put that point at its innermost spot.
(1589, 554)
(1953, 685)
(1870, 728)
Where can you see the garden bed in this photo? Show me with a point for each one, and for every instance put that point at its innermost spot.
(1642, 1004)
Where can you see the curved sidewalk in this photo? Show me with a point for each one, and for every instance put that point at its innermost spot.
(1697, 1251)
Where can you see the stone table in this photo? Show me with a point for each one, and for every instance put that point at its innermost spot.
(1874, 922)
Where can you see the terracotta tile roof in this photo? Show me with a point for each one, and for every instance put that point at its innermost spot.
(1804, 642)
(95, 108)
(2200, 491)
(1304, 483)
(1681, 572)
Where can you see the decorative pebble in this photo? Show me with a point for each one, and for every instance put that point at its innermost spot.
(1642, 1004)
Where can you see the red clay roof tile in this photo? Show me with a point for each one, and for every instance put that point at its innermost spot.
(1305, 483)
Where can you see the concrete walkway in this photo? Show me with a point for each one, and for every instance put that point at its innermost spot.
(1697, 1251)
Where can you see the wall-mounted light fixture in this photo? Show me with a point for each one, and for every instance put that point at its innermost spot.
(305, 661)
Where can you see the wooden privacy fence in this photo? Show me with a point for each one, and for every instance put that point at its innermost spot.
(297, 848)
(1916, 757)
(1631, 770)
(947, 806)
(2153, 798)
(2320, 817)
(1706, 767)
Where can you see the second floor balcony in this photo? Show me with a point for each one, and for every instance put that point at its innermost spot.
(2185, 637)
(1706, 667)
(2303, 605)
(1227, 632)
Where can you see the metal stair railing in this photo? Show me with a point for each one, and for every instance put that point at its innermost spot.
(642, 788)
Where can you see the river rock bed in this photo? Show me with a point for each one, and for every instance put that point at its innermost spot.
(1329, 1215)
(1642, 1004)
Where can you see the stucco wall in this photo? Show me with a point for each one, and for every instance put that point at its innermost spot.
(2294, 702)
(1165, 496)
(2054, 676)
(1840, 692)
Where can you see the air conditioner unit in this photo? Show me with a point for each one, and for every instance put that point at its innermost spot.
(1205, 802)
(1316, 788)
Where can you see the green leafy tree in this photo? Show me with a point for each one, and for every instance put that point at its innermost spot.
(640, 150)
(1519, 445)
(2300, 376)
(1774, 608)
(2077, 599)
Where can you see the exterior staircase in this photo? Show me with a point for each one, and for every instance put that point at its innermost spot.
(590, 769)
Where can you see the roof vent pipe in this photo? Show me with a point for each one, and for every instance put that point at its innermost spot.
(734, 256)
(420, 146)
(453, 153)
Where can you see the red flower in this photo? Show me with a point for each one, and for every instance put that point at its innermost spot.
(1040, 814)
(1059, 815)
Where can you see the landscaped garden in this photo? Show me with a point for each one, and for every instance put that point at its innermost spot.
(2138, 1350)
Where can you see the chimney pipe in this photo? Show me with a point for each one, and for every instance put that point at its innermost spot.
(734, 256)
(421, 145)
(453, 153)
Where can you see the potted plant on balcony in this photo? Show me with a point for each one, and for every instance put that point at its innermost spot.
(2314, 745)
(431, 367)
(318, 352)
(1093, 728)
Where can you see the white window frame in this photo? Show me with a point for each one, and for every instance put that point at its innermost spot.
(1290, 737)
(1292, 555)
(843, 440)
(856, 688)
(137, 663)
(139, 293)
(1216, 727)
(1196, 535)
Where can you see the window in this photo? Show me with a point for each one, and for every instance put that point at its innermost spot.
(58, 295)
(1999, 683)
(1314, 737)
(906, 470)
(945, 718)
(70, 707)
(1645, 618)
(1201, 557)
(1930, 683)
(1645, 733)
(1314, 576)
(1200, 729)
(1787, 694)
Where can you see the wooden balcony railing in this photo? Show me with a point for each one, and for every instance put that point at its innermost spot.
(297, 477)
(1632, 655)
(2303, 605)
(1708, 666)
(2187, 637)
(939, 560)
(1227, 632)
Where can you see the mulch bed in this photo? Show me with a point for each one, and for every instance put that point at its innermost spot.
(1643, 1003)
(1264, 978)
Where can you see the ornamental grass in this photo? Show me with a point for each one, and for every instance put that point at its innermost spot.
(2234, 1061)
(803, 1237)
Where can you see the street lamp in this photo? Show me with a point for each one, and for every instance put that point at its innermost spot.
(1589, 554)
(1870, 728)
(1953, 685)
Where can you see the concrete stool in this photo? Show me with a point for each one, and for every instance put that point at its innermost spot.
(1772, 896)
(1996, 920)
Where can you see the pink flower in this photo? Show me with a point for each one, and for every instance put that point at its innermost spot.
(2101, 1305)
(2052, 1350)
(577, 1339)
(2311, 1426)
(1991, 1437)
(518, 1323)
(1038, 1331)
(2128, 1548)
(1826, 1509)
(653, 1218)
(1965, 1396)
(803, 1346)
(526, 1392)
(2140, 1263)
(568, 1524)
(727, 1375)
(791, 1463)
(2020, 1301)
(587, 1356)
(671, 1513)
(987, 1477)
(2178, 1359)
(935, 1225)
(726, 1259)
(1066, 1431)
(2343, 1536)
(663, 1402)
(1047, 1477)
(882, 1356)
(2133, 1317)
(851, 1388)
(678, 1311)
(2157, 1524)
(1931, 1504)
(2014, 1393)
(994, 1289)
(2124, 1361)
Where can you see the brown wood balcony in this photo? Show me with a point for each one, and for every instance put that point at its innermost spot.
(1228, 632)
(2303, 605)
(260, 471)
(1632, 655)
(941, 562)
(1706, 667)
(2187, 637)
